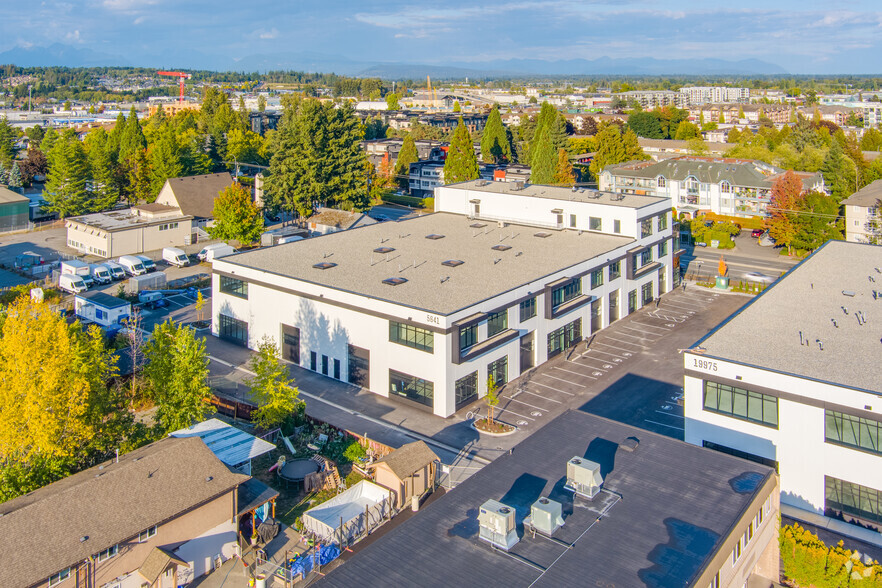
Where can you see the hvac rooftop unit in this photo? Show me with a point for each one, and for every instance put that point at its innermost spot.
(497, 525)
(546, 516)
(583, 477)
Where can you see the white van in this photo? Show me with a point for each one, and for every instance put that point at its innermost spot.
(72, 283)
(148, 263)
(132, 265)
(175, 256)
(116, 270)
(216, 251)
(101, 274)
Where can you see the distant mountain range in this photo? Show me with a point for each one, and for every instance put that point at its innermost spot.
(67, 56)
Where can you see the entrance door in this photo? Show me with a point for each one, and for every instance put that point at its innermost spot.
(596, 315)
(291, 343)
(613, 306)
(527, 351)
(632, 301)
(661, 282)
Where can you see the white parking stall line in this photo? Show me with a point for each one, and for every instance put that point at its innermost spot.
(580, 374)
(629, 343)
(621, 349)
(532, 382)
(652, 327)
(509, 398)
(647, 334)
(537, 395)
(607, 364)
(563, 380)
(170, 301)
(594, 352)
(679, 307)
(506, 409)
(621, 334)
(670, 414)
(664, 425)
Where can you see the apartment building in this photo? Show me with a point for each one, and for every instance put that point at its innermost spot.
(734, 187)
(503, 277)
(649, 99)
(741, 114)
(863, 214)
(792, 381)
(715, 94)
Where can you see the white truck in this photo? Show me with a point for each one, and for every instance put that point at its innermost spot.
(72, 283)
(76, 267)
(101, 273)
(211, 252)
(132, 265)
(116, 270)
(175, 256)
(148, 263)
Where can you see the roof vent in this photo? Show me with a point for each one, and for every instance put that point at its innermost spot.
(324, 265)
(546, 517)
(394, 281)
(497, 525)
(630, 444)
(477, 225)
(208, 478)
(84, 538)
(542, 234)
(434, 237)
(848, 293)
(452, 262)
(501, 247)
(583, 477)
(384, 250)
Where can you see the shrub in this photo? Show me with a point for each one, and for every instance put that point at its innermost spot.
(355, 452)
(807, 561)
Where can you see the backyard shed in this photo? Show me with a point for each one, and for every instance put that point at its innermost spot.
(408, 471)
(102, 309)
(355, 512)
(233, 446)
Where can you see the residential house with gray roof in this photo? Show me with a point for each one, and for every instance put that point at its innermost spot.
(863, 214)
(727, 186)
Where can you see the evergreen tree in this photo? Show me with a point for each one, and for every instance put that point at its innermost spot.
(406, 156)
(610, 149)
(495, 147)
(139, 188)
(346, 158)
(557, 132)
(839, 173)
(461, 164)
(564, 174)
(456, 106)
(165, 160)
(244, 114)
(4, 174)
(543, 166)
(15, 176)
(115, 137)
(631, 145)
(7, 142)
(105, 180)
(66, 185)
(821, 225)
(35, 135)
(261, 103)
(132, 139)
(194, 159)
(49, 139)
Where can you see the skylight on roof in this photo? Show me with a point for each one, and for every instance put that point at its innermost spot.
(478, 225)
(434, 237)
(394, 281)
(324, 265)
(501, 247)
(384, 250)
(542, 234)
(452, 262)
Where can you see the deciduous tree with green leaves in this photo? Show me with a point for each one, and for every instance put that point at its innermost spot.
(610, 149)
(461, 164)
(176, 376)
(491, 399)
(272, 387)
(236, 216)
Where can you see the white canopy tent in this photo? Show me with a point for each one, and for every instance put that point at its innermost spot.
(350, 514)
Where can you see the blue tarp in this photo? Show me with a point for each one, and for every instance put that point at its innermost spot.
(303, 564)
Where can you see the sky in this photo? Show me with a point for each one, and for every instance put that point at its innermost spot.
(801, 36)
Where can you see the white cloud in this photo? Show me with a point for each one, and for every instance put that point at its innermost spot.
(73, 37)
(128, 6)
(270, 34)
(139, 20)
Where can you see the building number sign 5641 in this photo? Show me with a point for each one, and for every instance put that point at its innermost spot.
(704, 364)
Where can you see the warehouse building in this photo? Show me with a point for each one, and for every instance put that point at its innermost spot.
(13, 210)
(792, 380)
(502, 278)
(129, 231)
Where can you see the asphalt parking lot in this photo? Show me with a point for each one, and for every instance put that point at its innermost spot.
(631, 371)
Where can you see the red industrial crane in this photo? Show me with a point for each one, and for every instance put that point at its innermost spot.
(181, 76)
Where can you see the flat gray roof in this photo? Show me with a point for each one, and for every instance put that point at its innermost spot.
(431, 286)
(808, 299)
(561, 193)
(121, 220)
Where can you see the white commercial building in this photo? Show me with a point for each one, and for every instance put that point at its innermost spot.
(500, 279)
(863, 214)
(734, 187)
(793, 379)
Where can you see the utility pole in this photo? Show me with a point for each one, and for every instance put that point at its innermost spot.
(29, 97)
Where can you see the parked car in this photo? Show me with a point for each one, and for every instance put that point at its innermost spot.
(758, 277)
(757, 233)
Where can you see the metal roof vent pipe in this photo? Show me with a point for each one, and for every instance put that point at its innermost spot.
(820, 344)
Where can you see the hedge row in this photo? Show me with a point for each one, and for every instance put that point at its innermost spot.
(403, 200)
(807, 561)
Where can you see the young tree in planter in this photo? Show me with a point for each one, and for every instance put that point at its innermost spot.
(236, 216)
(492, 398)
(176, 376)
(271, 387)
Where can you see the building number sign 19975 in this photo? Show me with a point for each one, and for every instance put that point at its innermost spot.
(704, 364)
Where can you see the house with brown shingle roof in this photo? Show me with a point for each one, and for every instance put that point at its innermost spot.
(194, 195)
(158, 516)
